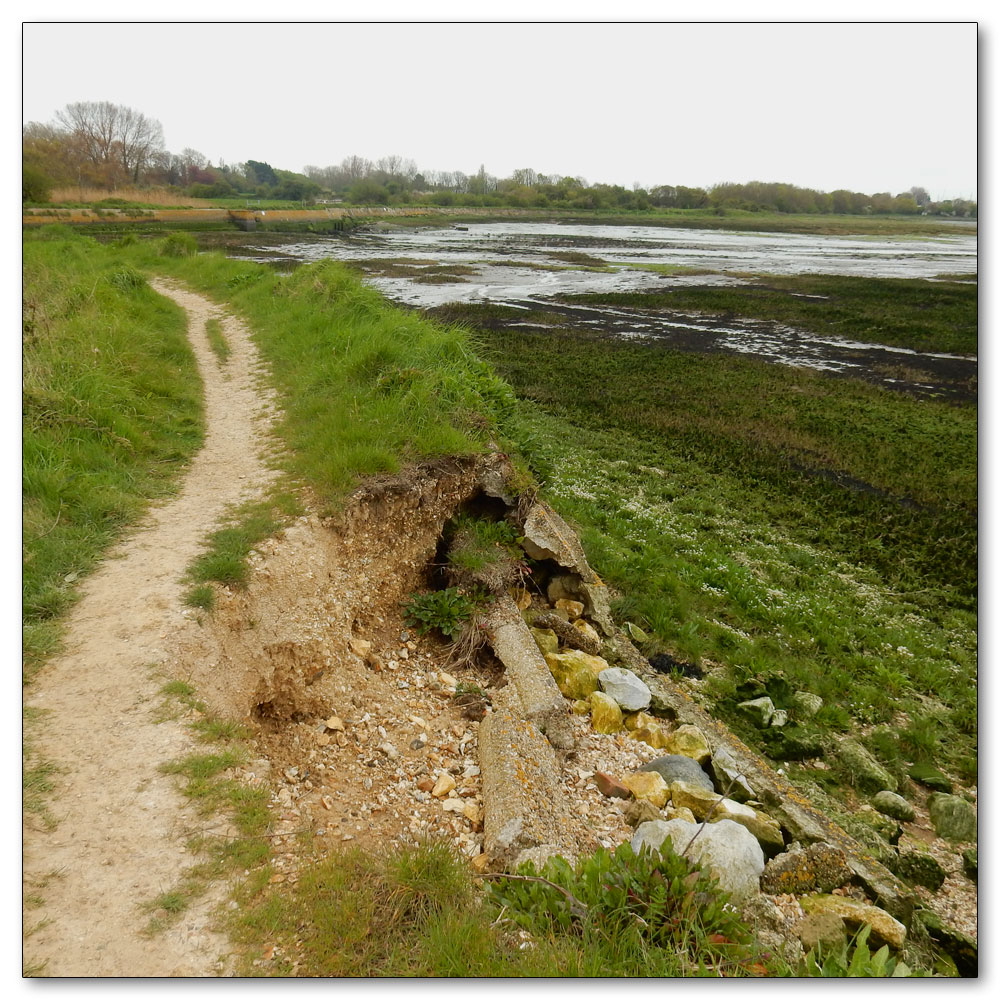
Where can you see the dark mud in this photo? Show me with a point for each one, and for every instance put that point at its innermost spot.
(924, 375)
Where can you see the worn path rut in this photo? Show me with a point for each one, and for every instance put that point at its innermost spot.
(122, 824)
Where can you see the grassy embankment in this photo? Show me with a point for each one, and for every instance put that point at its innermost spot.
(787, 530)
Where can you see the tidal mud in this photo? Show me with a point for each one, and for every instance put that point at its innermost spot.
(531, 266)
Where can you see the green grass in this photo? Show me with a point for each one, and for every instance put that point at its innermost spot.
(416, 911)
(206, 784)
(224, 559)
(365, 387)
(217, 340)
(940, 316)
(786, 527)
(112, 413)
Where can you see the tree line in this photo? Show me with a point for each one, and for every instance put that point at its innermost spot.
(105, 145)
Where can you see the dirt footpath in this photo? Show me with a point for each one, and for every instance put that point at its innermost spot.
(122, 825)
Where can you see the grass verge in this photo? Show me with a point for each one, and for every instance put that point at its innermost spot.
(112, 412)
(209, 781)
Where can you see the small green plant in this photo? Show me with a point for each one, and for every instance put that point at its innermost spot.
(200, 597)
(243, 278)
(178, 245)
(854, 959)
(446, 610)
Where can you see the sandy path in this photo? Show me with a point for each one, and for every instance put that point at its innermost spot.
(121, 828)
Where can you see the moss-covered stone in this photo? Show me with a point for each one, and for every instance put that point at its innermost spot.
(689, 741)
(891, 804)
(805, 704)
(952, 816)
(819, 868)
(547, 640)
(648, 786)
(885, 928)
(575, 672)
(640, 811)
(821, 930)
(652, 735)
(930, 777)
(636, 720)
(792, 743)
(861, 769)
(917, 867)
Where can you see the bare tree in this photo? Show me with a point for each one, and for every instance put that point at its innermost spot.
(118, 140)
(356, 167)
(139, 138)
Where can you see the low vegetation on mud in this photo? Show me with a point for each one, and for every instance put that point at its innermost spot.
(904, 312)
(783, 529)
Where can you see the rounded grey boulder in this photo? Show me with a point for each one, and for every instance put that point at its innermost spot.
(894, 805)
(675, 767)
(727, 850)
(952, 816)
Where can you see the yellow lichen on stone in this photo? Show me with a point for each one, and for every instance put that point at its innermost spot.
(605, 715)
(689, 741)
(648, 786)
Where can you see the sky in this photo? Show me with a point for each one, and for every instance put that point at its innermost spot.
(864, 106)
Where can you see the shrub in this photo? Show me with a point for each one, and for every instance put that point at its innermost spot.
(35, 186)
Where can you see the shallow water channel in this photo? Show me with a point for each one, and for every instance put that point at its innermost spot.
(526, 265)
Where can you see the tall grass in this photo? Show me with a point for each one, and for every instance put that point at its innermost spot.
(84, 195)
(112, 412)
(416, 911)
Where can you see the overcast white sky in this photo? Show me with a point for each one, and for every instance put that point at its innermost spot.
(869, 107)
